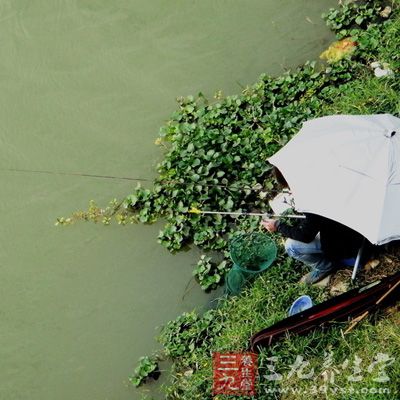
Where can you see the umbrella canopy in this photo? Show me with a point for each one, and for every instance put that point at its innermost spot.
(347, 168)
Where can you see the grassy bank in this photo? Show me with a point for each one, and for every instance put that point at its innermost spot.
(215, 159)
(331, 358)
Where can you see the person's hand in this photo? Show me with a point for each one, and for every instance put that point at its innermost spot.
(270, 225)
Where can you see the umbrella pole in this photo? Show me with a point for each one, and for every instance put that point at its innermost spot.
(358, 260)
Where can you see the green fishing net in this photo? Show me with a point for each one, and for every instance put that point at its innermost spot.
(251, 253)
(235, 280)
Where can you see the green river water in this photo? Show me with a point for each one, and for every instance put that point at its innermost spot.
(85, 85)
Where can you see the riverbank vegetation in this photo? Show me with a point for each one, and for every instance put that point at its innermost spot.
(215, 160)
(215, 152)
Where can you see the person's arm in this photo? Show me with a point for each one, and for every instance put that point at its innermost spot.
(304, 231)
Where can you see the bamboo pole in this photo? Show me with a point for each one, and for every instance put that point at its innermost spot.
(365, 314)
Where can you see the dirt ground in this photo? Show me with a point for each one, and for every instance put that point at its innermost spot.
(383, 263)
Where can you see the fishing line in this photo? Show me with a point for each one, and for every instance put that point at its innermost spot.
(174, 182)
(76, 174)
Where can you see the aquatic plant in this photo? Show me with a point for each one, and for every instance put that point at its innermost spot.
(216, 151)
(327, 353)
(210, 274)
(147, 368)
(352, 15)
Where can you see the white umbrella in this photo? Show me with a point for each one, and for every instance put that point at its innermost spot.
(347, 168)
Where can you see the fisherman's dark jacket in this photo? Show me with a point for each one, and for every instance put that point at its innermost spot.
(337, 240)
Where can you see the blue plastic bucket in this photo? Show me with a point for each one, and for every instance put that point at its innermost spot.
(301, 304)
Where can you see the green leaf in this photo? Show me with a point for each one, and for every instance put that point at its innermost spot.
(132, 199)
(229, 204)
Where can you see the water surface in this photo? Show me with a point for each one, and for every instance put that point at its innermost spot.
(85, 85)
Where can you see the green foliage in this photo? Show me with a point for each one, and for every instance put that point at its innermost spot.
(104, 215)
(188, 332)
(375, 34)
(347, 86)
(366, 96)
(147, 368)
(262, 305)
(216, 153)
(210, 274)
(390, 43)
(216, 159)
(356, 15)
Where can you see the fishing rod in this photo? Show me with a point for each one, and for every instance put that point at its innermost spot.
(197, 211)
